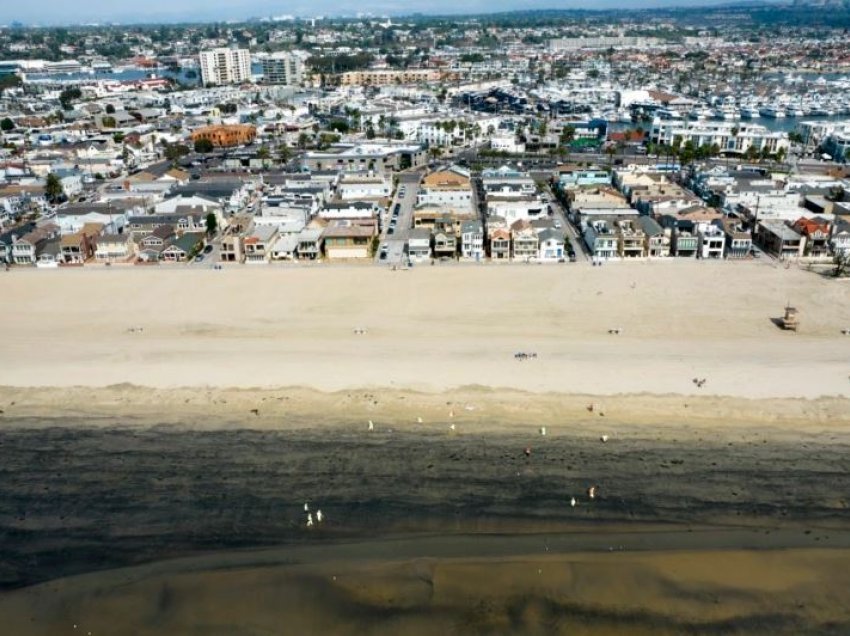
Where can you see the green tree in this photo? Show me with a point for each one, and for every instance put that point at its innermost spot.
(67, 96)
(842, 264)
(263, 155)
(7, 124)
(110, 109)
(211, 223)
(10, 81)
(108, 122)
(174, 151)
(204, 146)
(284, 153)
(53, 188)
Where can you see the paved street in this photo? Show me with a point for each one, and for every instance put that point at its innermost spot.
(559, 213)
(408, 186)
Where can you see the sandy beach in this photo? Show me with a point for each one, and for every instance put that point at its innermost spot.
(161, 431)
(433, 328)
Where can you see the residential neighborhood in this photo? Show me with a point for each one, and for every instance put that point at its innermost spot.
(283, 153)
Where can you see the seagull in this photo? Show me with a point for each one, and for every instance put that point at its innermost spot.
(573, 502)
(591, 492)
(371, 425)
(309, 520)
(319, 516)
(543, 430)
(604, 438)
(306, 507)
(452, 427)
(418, 420)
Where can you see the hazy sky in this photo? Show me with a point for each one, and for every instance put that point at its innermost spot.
(76, 11)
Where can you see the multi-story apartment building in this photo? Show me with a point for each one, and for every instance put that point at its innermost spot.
(284, 67)
(225, 66)
(385, 77)
(729, 137)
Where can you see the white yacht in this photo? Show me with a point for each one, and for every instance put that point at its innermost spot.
(820, 111)
(794, 111)
(726, 113)
(667, 114)
(771, 111)
(748, 112)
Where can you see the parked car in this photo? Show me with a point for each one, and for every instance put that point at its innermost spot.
(208, 249)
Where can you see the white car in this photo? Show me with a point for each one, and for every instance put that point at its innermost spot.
(558, 225)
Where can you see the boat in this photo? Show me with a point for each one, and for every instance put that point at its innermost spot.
(819, 111)
(794, 111)
(771, 111)
(726, 113)
(748, 112)
(667, 114)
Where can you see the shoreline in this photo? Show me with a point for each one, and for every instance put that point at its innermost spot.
(474, 409)
(379, 588)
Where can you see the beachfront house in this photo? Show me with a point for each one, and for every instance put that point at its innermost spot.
(285, 248)
(500, 243)
(26, 248)
(816, 231)
(472, 240)
(524, 240)
(181, 248)
(419, 244)
(685, 243)
(258, 244)
(309, 244)
(445, 244)
(711, 241)
(630, 239)
(739, 241)
(347, 240)
(550, 246)
(779, 239)
(656, 237)
(600, 240)
(112, 248)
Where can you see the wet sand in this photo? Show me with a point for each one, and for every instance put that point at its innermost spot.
(700, 526)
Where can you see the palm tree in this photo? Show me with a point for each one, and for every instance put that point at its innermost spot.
(734, 132)
(263, 155)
